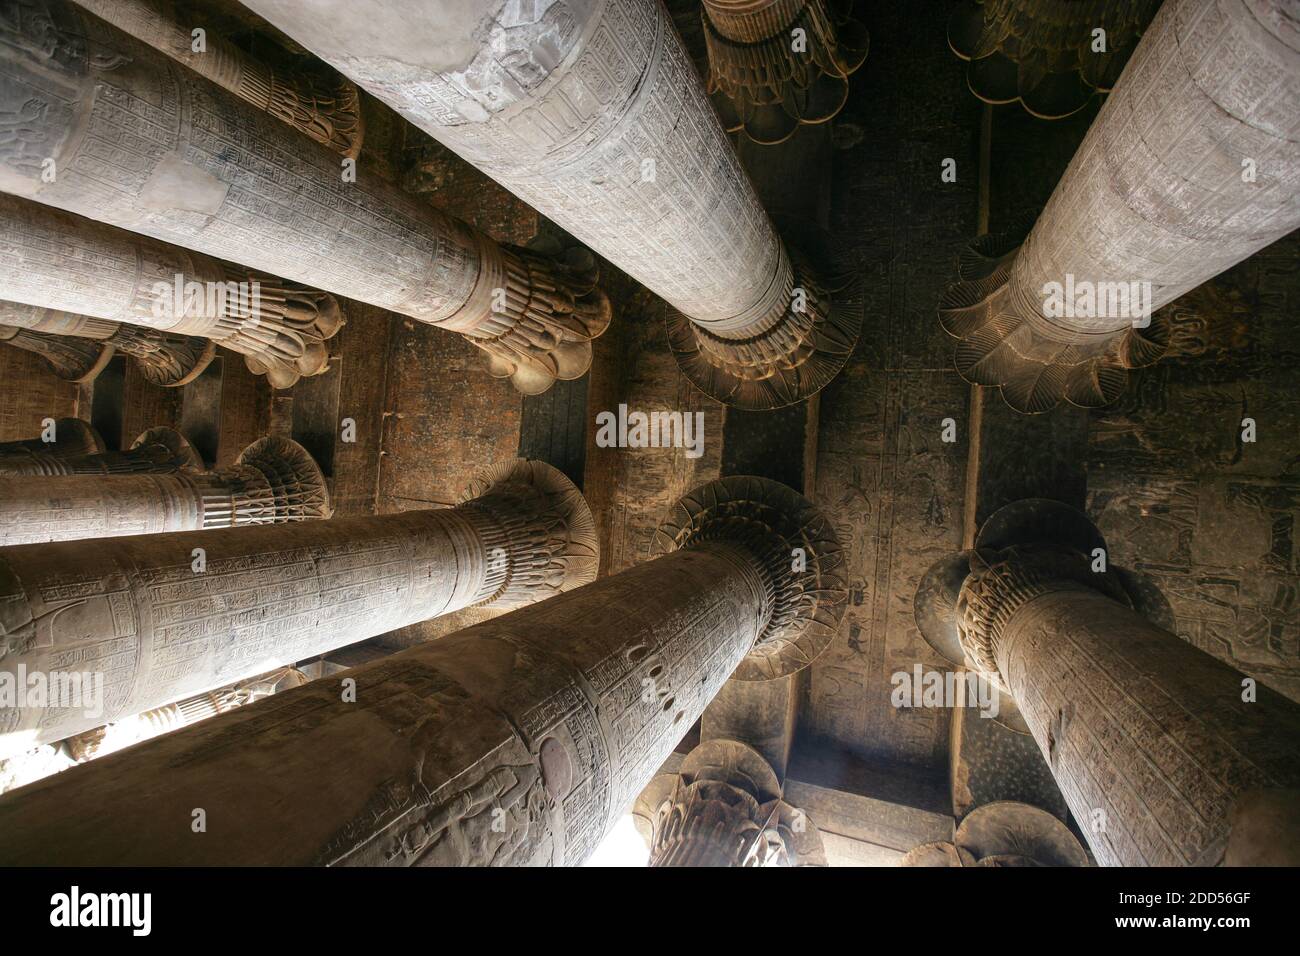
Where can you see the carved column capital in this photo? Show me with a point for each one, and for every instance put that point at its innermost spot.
(1004, 833)
(159, 450)
(797, 552)
(723, 807)
(538, 534)
(776, 64)
(72, 359)
(72, 438)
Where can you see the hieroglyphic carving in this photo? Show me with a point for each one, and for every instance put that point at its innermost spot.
(1046, 54)
(778, 63)
(591, 112)
(98, 273)
(164, 359)
(1151, 741)
(274, 480)
(142, 143)
(723, 807)
(137, 610)
(1142, 203)
(326, 107)
(520, 740)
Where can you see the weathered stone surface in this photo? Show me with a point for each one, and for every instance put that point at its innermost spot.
(195, 165)
(136, 610)
(274, 481)
(1190, 167)
(324, 106)
(160, 451)
(592, 113)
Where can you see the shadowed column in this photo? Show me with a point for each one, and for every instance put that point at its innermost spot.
(140, 142)
(274, 480)
(1161, 751)
(517, 741)
(158, 617)
(776, 64)
(592, 112)
(723, 807)
(158, 451)
(79, 346)
(1191, 166)
(64, 438)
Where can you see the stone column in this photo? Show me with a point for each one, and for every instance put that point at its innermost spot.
(99, 273)
(1045, 54)
(323, 105)
(49, 759)
(591, 112)
(723, 807)
(1155, 744)
(142, 143)
(776, 64)
(1190, 167)
(1003, 833)
(274, 480)
(64, 438)
(158, 626)
(517, 741)
(79, 346)
(158, 451)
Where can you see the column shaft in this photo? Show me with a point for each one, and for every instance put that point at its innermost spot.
(592, 113)
(1190, 167)
(517, 741)
(145, 144)
(159, 451)
(164, 359)
(324, 107)
(68, 438)
(39, 508)
(157, 626)
(74, 272)
(1148, 737)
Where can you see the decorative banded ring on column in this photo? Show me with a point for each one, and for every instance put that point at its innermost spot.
(776, 64)
(1004, 833)
(723, 807)
(640, 170)
(73, 438)
(1189, 168)
(317, 102)
(1044, 53)
(1165, 755)
(802, 563)
(155, 626)
(160, 451)
(148, 490)
(163, 358)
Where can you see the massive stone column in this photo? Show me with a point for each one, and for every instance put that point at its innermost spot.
(158, 451)
(776, 64)
(96, 273)
(158, 627)
(1161, 751)
(61, 438)
(517, 741)
(1046, 54)
(48, 759)
(1191, 166)
(322, 104)
(591, 112)
(723, 807)
(274, 480)
(78, 347)
(142, 143)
